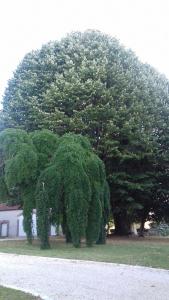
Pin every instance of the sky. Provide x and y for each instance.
(142, 25)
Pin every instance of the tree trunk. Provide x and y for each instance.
(68, 236)
(66, 230)
(122, 225)
(141, 231)
(102, 235)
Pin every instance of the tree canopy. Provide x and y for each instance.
(88, 83)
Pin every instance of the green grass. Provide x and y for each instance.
(11, 294)
(143, 251)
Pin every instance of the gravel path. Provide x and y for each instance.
(61, 279)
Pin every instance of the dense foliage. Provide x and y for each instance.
(62, 178)
(89, 84)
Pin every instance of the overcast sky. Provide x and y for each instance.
(142, 25)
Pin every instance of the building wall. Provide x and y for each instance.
(21, 232)
(11, 216)
(15, 219)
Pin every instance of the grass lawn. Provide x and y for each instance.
(11, 294)
(151, 252)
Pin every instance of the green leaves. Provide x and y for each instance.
(45, 143)
(22, 168)
(91, 85)
(19, 157)
(75, 182)
(64, 176)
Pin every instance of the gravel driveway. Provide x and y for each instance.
(60, 279)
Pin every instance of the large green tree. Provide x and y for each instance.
(65, 177)
(23, 157)
(19, 169)
(75, 183)
(88, 83)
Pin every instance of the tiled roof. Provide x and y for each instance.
(4, 207)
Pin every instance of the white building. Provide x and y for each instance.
(11, 222)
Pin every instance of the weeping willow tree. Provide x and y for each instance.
(23, 156)
(77, 191)
(65, 177)
(20, 169)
